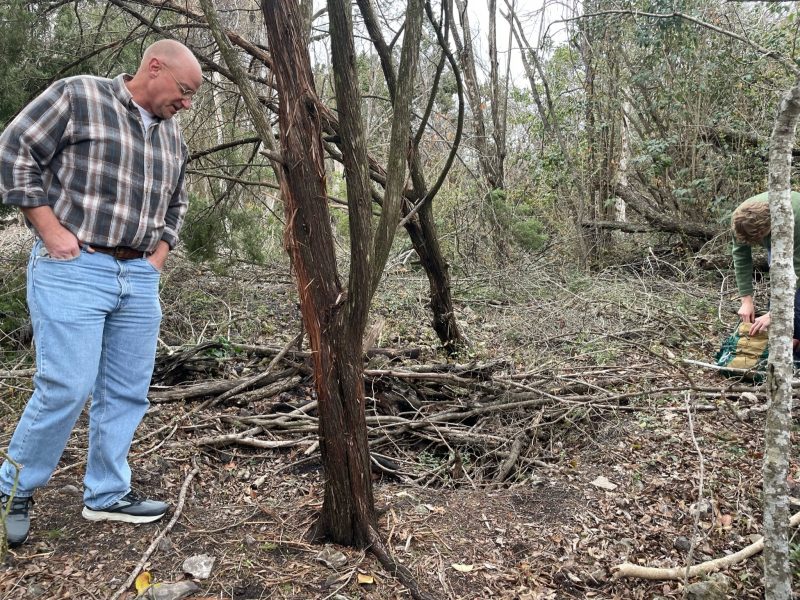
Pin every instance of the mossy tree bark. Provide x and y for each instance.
(777, 441)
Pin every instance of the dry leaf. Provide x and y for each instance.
(604, 484)
(462, 568)
(331, 558)
(142, 582)
(365, 579)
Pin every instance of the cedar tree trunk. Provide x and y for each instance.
(334, 335)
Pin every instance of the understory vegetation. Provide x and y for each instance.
(572, 420)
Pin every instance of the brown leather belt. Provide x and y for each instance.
(119, 252)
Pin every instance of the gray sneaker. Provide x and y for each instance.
(131, 508)
(18, 519)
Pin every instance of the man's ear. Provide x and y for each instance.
(153, 67)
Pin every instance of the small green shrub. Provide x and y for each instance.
(238, 230)
(525, 229)
(15, 329)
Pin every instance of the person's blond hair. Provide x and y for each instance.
(750, 221)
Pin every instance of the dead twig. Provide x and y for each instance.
(254, 380)
(378, 548)
(154, 544)
(19, 373)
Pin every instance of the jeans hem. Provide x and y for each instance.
(109, 505)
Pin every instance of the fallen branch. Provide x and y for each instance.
(714, 367)
(17, 373)
(523, 440)
(248, 440)
(154, 544)
(225, 387)
(258, 378)
(627, 569)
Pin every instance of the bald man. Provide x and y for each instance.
(97, 167)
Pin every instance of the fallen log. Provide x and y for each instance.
(216, 387)
(627, 569)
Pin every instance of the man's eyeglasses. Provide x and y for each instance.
(187, 93)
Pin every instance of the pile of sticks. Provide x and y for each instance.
(428, 423)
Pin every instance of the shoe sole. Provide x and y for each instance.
(17, 543)
(99, 515)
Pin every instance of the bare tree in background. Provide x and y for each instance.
(604, 121)
(491, 148)
(551, 124)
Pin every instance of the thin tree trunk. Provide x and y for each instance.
(466, 57)
(334, 319)
(333, 326)
(421, 228)
(592, 159)
(423, 236)
(624, 158)
(777, 440)
(497, 101)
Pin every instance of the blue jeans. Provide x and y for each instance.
(95, 327)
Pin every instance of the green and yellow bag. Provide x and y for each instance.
(743, 351)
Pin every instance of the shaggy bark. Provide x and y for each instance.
(335, 319)
(309, 242)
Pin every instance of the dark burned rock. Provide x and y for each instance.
(682, 544)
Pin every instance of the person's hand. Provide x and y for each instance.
(159, 255)
(61, 243)
(747, 311)
(760, 324)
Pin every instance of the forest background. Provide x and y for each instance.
(536, 408)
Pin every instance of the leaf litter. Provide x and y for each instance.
(592, 486)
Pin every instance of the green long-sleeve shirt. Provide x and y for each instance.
(743, 257)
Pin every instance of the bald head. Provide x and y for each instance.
(169, 51)
(167, 79)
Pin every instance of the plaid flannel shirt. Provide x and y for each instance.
(81, 148)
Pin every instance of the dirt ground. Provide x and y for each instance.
(670, 467)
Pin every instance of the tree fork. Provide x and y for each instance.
(335, 318)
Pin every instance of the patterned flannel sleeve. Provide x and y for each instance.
(28, 144)
(178, 205)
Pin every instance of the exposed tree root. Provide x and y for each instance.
(627, 569)
(378, 548)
